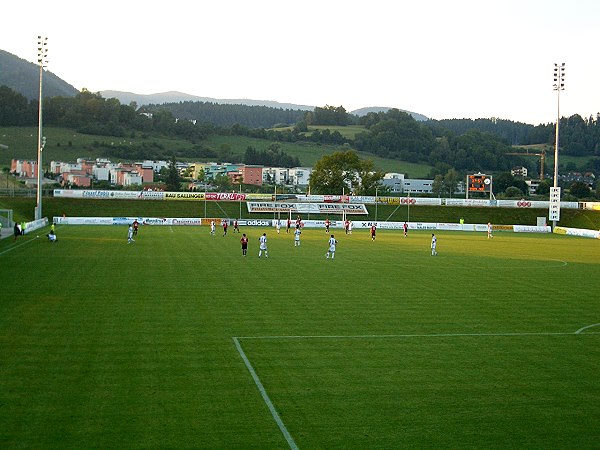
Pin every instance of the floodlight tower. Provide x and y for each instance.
(559, 85)
(43, 62)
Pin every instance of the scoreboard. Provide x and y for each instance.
(479, 183)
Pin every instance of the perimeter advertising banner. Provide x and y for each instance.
(409, 201)
(109, 195)
(185, 196)
(159, 195)
(169, 221)
(577, 232)
(306, 208)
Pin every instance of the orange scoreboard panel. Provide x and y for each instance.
(479, 183)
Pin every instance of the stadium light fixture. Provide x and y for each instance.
(559, 85)
(43, 62)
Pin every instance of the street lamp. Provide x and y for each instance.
(559, 85)
(43, 62)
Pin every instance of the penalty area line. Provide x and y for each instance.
(432, 335)
(286, 434)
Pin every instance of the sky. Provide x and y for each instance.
(441, 58)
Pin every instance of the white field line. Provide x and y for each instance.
(265, 396)
(585, 328)
(433, 335)
(269, 403)
(17, 246)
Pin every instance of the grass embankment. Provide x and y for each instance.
(23, 209)
(64, 144)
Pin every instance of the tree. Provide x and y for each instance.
(580, 189)
(543, 188)
(451, 181)
(173, 180)
(330, 115)
(437, 187)
(344, 172)
(513, 192)
(223, 182)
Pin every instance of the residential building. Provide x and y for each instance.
(252, 174)
(394, 181)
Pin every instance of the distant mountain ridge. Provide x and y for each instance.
(175, 97)
(23, 77)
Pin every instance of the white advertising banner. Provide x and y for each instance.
(531, 229)
(324, 198)
(177, 221)
(306, 208)
(577, 232)
(534, 204)
(467, 202)
(35, 225)
(102, 194)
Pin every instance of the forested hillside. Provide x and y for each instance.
(23, 77)
(459, 145)
(222, 115)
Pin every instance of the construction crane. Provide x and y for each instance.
(542, 156)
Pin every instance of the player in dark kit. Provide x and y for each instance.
(244, 241)
(225, 228)
(136, 225)
(373, 231)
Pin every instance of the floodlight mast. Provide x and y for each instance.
(43, 62)
(559, 85)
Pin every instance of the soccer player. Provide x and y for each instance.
(212, 227)
(433, 245)
(225, 225)
(373, 231)
(405, 226)
(236, 228)
(297, 234)
(289, 224)
(346, 225)
(244, 241)
(52, 236)
(278, 226)
(327, 224)
(350, 227)
(263, 246)
(489, 231)
(136, 224)
(331, 252)
(130, 235)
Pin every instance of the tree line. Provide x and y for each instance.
(461, 144)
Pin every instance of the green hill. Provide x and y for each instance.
(64, 144)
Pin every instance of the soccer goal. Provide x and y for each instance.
(6, 218)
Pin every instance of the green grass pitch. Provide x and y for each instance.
(490, 344)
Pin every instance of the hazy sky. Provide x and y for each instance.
(440, 58)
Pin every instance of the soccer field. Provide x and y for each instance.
(179, 341)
